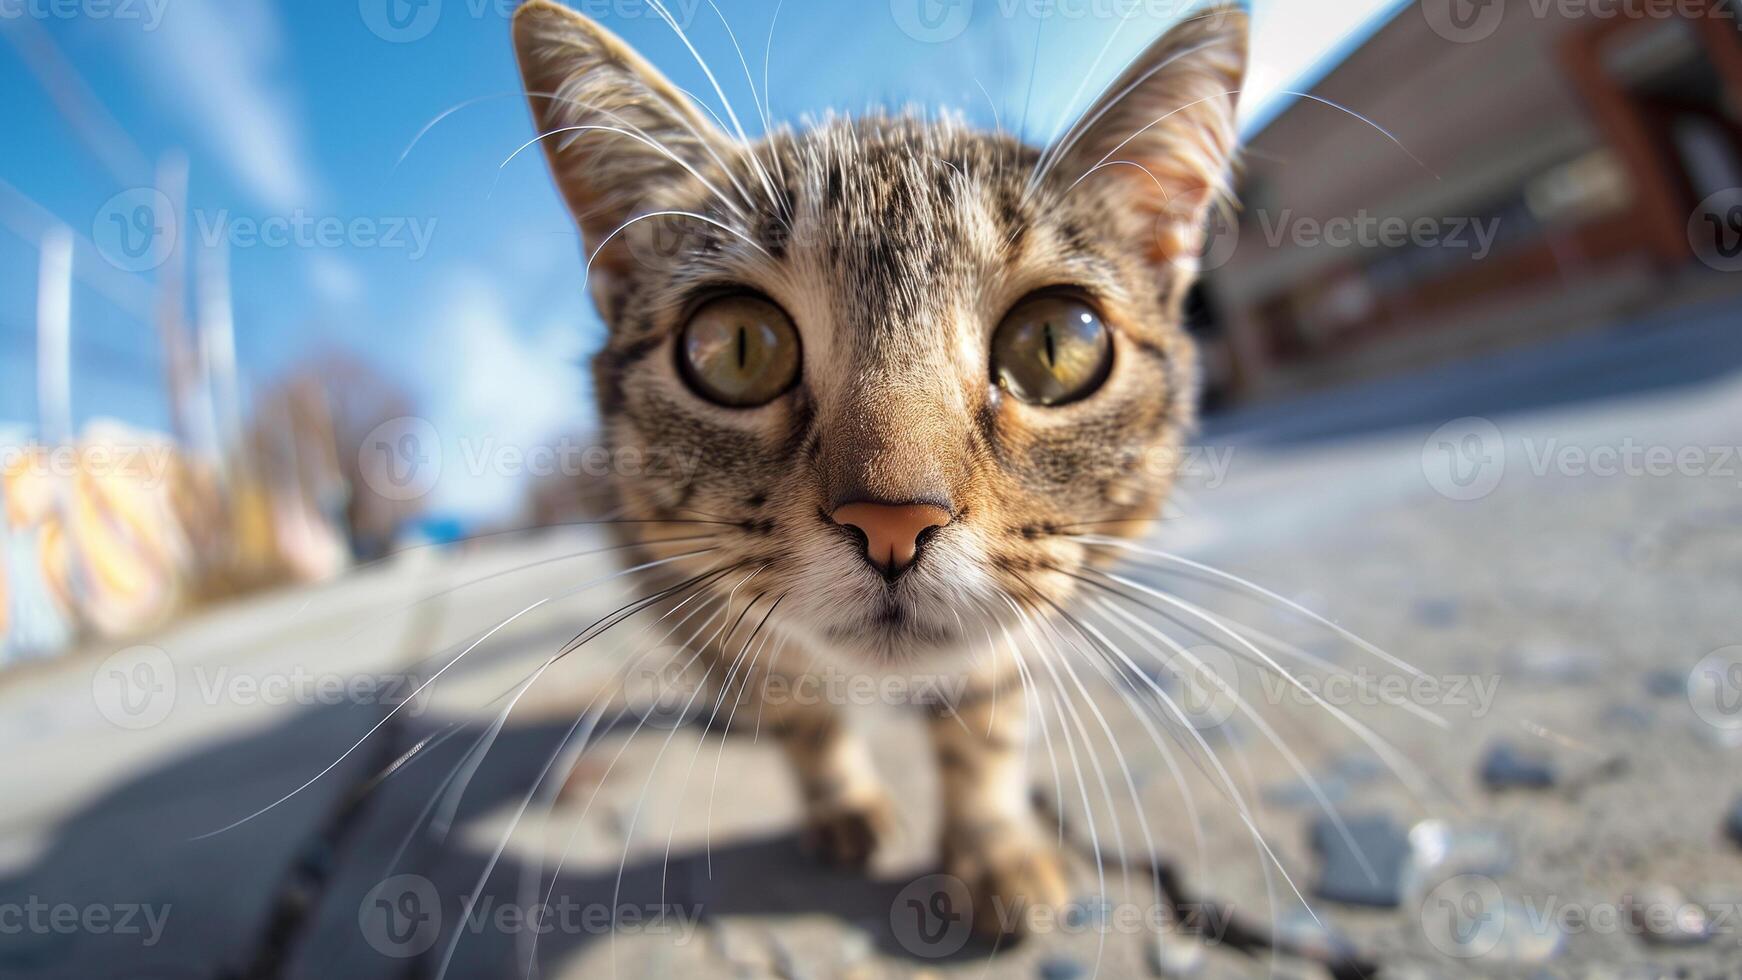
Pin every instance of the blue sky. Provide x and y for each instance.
(300, 111)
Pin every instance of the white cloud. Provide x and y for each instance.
(488, 384)
(219, 61)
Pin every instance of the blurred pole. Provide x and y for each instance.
(179, 364)
(54, 310)
(54, 387)
(215, 318)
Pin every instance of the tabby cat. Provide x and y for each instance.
(916, 362)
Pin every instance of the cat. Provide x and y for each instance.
(917, 362)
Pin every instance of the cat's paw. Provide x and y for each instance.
(1011, 876)
(846, 835)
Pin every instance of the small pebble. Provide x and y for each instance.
(1173, 956)
(1627, 717)
(1506, 766)
(1356, 768)
(1298, 793)
(1086, 912)
(1439, 851)
(1553, 662)
(1379, 841)
(1666, 917)
(1436, 613)
(1061, 968)
(1316, 940)
(1666, 683)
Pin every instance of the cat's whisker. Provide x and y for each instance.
(1119, 756)
(574, 832)
(528, 566)
(779, 201)
(725, 103)
(720, 754)
(634, 820)
(1232, 692)
(630, 133)
(1031, 689)
(1395, 761)
(1086, 123)
(444, 114)
(1238, 801)
(1127, 670)
(532, 873)
(600, 248)
(585, 637)
(1255, 588)
(329, 767)
(451, 804)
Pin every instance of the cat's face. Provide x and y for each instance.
(893, 312)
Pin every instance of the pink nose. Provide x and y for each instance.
(892, 531)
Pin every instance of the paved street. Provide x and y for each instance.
(1551, 584)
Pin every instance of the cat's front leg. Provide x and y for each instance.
(992, 838)
(847, 812)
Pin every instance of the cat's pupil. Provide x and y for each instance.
(743, 346)
(1052, 354)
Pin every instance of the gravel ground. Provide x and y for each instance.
(1545, 795)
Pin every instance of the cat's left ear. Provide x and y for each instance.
(613, 128)
(1165, 131)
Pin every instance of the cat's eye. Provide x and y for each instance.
(1051, 350)
(739, 351)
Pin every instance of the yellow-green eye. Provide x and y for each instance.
(1051, 350)
(740, 351)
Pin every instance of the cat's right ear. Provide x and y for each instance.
(612, 127)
